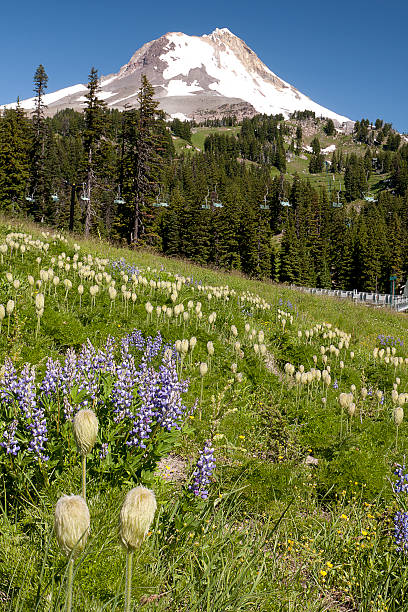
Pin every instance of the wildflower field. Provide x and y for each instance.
(269, 424)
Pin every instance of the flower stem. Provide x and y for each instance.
(128, 585)
(70, 580)
(84, 476)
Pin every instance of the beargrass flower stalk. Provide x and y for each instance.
(85, 425)
(80, 292)
(136, 516)
(203, 372)
(2, 315)
(398, 416)
(112, 295)
(193, 342)
(3, 251)
(210, 350)
(39, 308)
(71, 525)
(68, 287)
(9, 310)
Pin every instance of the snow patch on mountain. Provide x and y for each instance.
(177, 87)
(50, 98)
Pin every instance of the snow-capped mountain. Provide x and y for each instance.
(194, 76)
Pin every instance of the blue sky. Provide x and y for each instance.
(349, 56)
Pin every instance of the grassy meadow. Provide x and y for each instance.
(299, 399)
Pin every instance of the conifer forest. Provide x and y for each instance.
(237, 202)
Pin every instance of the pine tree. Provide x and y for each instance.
(14, 160)
(142, 157)
(299, 136)
(38, 183)
(92, 136)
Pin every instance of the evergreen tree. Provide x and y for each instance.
(141, 162)
(14, 159)
(329, 128)
(92, 136)
(38, 180)
(316, 161)
(299, 136)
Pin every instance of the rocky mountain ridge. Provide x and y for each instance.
(194, 77)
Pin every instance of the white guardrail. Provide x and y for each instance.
(397, 302)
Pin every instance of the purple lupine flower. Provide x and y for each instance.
(401, 531)
(143, 419)
(134, 339)
(51, 381)
(103, 453)
(8, 388)
(153, 346)
(203, 472)
(401, 485)
(69, 371)
(123, 389)
(25, 393)
(160, 396)
(335, 384)
(10, 443)
(106, 356)
(168, 403)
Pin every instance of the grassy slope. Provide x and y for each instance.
(297, 164)
(276, 534)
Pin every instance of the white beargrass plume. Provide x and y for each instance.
(71, 524)
(136, 517)
(93, 290)
(55, 282)
(149, 310)
(85, 425)
(351, 410)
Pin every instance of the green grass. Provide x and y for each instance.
(200, 134)
(276, 533)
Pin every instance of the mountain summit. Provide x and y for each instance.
(196, 76)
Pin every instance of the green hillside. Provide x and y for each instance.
(300, 506)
